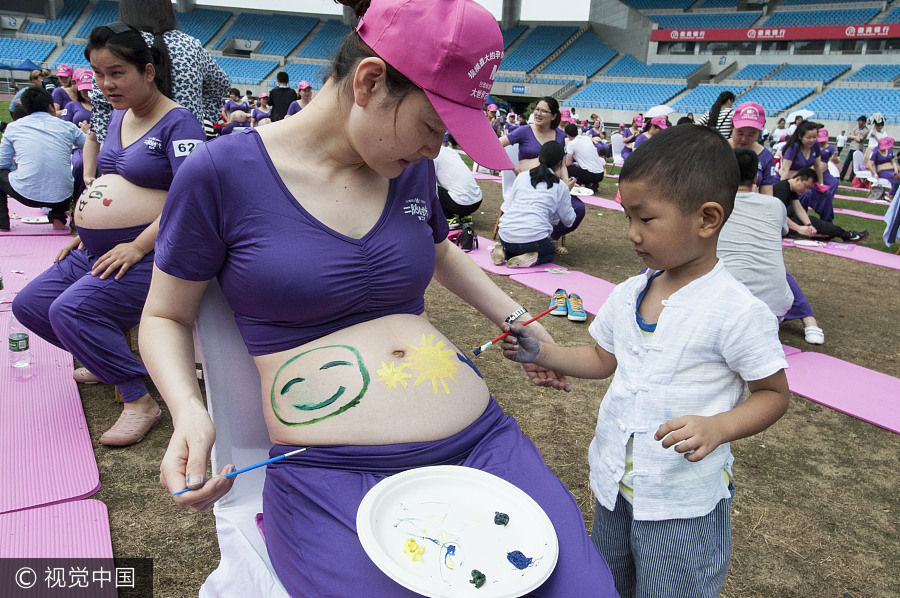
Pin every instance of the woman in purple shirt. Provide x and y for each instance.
(802, 151)
(324, 256)
(883, 162)
(530, 138)
(261, 112)
(304, 90)
(92, 296)
(65, 92)
(79, 113)
(748, 120)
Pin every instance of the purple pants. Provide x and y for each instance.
(821, 203)
(310, 502)
(560, 229)
(89, 317)
(801, 307)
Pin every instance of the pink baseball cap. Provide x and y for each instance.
(263, 95)
(459, 52)
(304, 85)
(85, 80)
(749, 114)
(660, 121)
(638, 120)
(822, 135)
(492, 107)
(566, 116)
(886, 143)
(63, 70)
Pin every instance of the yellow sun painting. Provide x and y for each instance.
(433, 362)
(392, 375)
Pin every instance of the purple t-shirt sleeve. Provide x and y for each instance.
(768, 174)
(294, 108)
(183, 136)
(60, 96)
(517, 135)
(191, 217)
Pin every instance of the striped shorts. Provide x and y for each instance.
(672, 558)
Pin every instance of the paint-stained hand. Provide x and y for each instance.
(184, 464)
(695, 435)
(539, 375)
(522, 345)
(75, 242)
(121, 257)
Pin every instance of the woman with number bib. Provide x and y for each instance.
(94, 293)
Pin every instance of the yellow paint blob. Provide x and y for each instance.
(412, 549)
(433, 362)
(393, 375)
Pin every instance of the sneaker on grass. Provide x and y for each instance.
(454, 222)
(575, 307)
(559, 300)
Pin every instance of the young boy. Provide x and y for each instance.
(686, 341)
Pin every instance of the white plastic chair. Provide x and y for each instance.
(233, 401)
(617, 146)
(859, 167)
(508, 177)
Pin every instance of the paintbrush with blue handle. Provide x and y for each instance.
(249, 467)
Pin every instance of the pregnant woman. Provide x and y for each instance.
(325, 258)
(94, 293)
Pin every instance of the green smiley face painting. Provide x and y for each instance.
(318, 384)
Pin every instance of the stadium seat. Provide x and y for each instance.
(61, 24)
(314, 73)
(810, 72)
(104, 12)
(820, 18)
(73, 55)
(202, 23)
(584, 57)
(732, 20)
(629, 66)
(326, 41)
(754, 72)
(280, 35)
(701, 98)
(15, 51)
(775, 99)
(534, 49)
(608, 95)
(873, 73)
(244, 71)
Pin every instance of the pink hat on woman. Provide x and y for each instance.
(492, 107)
(638, 120)
(263, 95)
(749, 114)
(660, 121)
(63, 70)
(459, 52)
(85, 80)
(886, 143)
(822, 135)
(566, 116)
(304, 85)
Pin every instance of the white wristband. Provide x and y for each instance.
(519, 312)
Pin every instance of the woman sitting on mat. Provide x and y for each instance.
(883, 163)
(314, 256)
(802, 151)
(749, 119)
(92, 296)
(630, 134)
(539, 211)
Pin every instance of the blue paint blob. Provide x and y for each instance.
(469, 363)
(518, 560)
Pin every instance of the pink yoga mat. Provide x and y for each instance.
(858, 214)
(881, 202)
(75, 529)
(46, 455)
(18, 228)
(482, 257)
(592, 290)
(853, 252)
(852, 389)
(482, 176)
(22, 259)
(788, 350)
(602, 202)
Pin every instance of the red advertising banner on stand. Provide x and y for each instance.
(776, 33)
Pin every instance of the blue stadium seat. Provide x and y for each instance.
(14, 51)
(585, 57)
(885, 73)
(73, 55)
(202, 23)
(511, 35)
(820, 18)
(893, 16)
(805, 2)
(836, 102)
(535, 48)
(104, 12)
(62, 23)
(280, 34)
(550, 81)
(510, 80)
(659, 4)
(733, 20)
(701, 98)
(608, 95)
(754, 72)
(718, 4)
(810, 72)
(775, 99)
(314, 73)
(629, 66)
(244, 71)
(326, 41)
